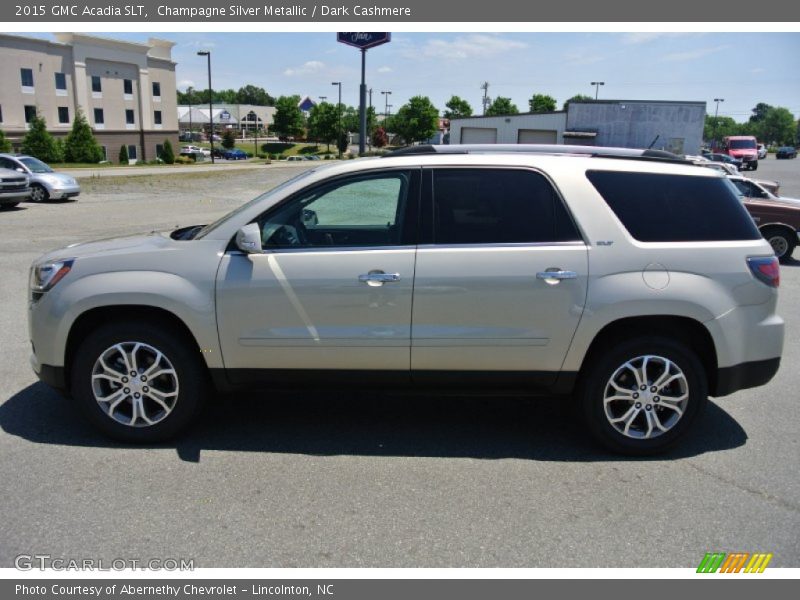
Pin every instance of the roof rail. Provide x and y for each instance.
(594, 151)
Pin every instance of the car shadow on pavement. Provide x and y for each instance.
(364, 424)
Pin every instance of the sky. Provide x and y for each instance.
(742, 68)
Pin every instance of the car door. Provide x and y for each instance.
(332, 291)
(501, 278)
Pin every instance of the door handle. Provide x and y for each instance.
(378, 278)
(554, 275)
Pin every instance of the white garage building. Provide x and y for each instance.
(528, 128)
(676, 126)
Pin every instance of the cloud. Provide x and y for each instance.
(384, 69)
(465, 47)
(649, 36)
(758, 70)
(186, 83)
(312, 66)
(693, 54)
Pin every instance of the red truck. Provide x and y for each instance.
(743, 147)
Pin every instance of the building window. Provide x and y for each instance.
(99, 118)
(129, 117)
(131, 152)
(105, 152)
(1, 114)
(159, 150)
(127, 87)
(63, 114)
(156, 89)
(26, 75)
(97, 86)
(30, 113)
(61, 83)
(157, 117)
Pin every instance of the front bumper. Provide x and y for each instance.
(55, 377)
(64, 193)
(14, 197)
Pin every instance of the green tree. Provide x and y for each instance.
(288, 119)
(502, 106)
(542, 103)
(39, 143)
(123, 155)
(80, 145)
(342, 143)
(417, 120)
(577, 98)
(457, 108)
(760, 112)
(167, 153)
(778, 126)
(251, 94)
(719, 127)
(323, 123)
(5, 143)
(228, 139)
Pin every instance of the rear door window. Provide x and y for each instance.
(674, 208)
(495, 206)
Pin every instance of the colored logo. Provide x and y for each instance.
(736, 562)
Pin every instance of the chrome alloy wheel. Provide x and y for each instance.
(780, 245)
(135, 384)
(646, 397)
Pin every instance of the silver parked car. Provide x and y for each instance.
(45, 183)
(519, 269)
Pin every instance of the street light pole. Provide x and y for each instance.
(716, 123)
(597, 85)
(386, 104)
(362, 105)
(339, 112)
(207, 54)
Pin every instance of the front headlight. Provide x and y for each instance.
(45, 275)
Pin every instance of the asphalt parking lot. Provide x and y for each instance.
(350, 479)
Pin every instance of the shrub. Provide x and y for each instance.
(168, 154)
(228, 139)
(5, 144)
(80, 145)
(39, 143)
(183, 160)
(123, 155)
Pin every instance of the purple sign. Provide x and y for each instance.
(363, 40)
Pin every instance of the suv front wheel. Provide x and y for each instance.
(138, 382)
(642, 396)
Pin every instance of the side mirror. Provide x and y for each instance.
(248, 239)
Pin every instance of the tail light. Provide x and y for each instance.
(765, 269)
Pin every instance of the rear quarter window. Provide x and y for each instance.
(674, 208)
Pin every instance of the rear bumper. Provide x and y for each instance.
(745, 375)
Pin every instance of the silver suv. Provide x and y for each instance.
(630, 280)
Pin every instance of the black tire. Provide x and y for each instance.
(595, 380)
(39, 193)
(192, 381)
(754, 166)
(782, 241)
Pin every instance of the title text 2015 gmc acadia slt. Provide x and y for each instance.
(631, 280)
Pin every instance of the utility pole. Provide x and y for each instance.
(369, 137)
(207, 54)
(386, 104)
(339, 109)
(485, 88)
(716, 123)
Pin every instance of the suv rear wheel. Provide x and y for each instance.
(137, 382)
(643, 395)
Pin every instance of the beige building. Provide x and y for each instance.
(126, 90)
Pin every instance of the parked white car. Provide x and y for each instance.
(632, 280)
(195, 150)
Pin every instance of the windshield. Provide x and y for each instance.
(742, 144)
(224, 219)
(35, 165)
